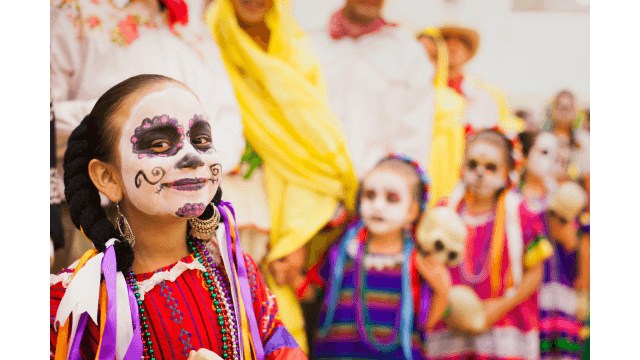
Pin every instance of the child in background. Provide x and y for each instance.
(379, 295)
(493, 263)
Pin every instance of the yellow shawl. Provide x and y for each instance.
(447, 146)
(288, 122)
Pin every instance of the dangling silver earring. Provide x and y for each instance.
(205, 229)
(127, 234)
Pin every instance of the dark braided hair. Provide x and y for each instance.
(95, 138)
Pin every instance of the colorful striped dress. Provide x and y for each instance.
(381, 303)
(558, 300)
(516, 335)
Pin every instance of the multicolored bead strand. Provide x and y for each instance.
(213, 280)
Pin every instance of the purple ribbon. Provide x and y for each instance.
(109, 337)
(425, 304)
(74, 351)
(243, 283)
(134, 352)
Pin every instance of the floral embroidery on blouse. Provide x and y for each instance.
(126, 31)
(93, 21)
(123, 26)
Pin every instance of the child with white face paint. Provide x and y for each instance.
(558, 295)
(493, 263)
(148, 147)
(540, 150)
(375, 260)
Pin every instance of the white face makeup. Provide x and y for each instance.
(542, 156)
(485, 171)
(169, 165)
(386, 199)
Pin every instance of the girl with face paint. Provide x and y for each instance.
(168, 289)
(288, 122)
(559, 323)
(493, 264)
(372, 277)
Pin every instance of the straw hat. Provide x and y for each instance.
(469, 36)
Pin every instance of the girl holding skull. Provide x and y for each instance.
(501, 235)
(372, 280)
(169, 285)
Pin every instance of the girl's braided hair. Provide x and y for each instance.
(95, 138)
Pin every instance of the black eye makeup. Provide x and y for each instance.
(160, 136)
(491, 167)
(200, 135)
(369, 194)
(472, 164)
(393, 197)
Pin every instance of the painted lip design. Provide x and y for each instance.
(190, 210)
(191, 184)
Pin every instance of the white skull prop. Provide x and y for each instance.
(569, 200)
(442, 232)
(466, 312)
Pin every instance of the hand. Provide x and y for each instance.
(435, 273)
(494, 311)
(203, 354)
(287, 269)
(279, 269)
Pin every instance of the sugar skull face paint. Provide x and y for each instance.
(169, 165)
(542, 156)
(386, 199)
(485, 170)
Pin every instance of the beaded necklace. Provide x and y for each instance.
(213, 281)
(468, 267)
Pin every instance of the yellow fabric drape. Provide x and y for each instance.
(447, 146)
(511, 124)
(288, 122)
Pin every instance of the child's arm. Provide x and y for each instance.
(438, 277)
(496, 308)
(289, 270)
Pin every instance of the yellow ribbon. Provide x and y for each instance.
(247, 341)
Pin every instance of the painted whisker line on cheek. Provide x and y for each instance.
(190, 210)
(157, 172)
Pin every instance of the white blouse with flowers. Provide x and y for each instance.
(96, 44)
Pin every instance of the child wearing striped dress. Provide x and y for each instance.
(380, 296)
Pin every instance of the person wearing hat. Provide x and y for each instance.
(379, 82)
(486, 105)
(447, 146)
